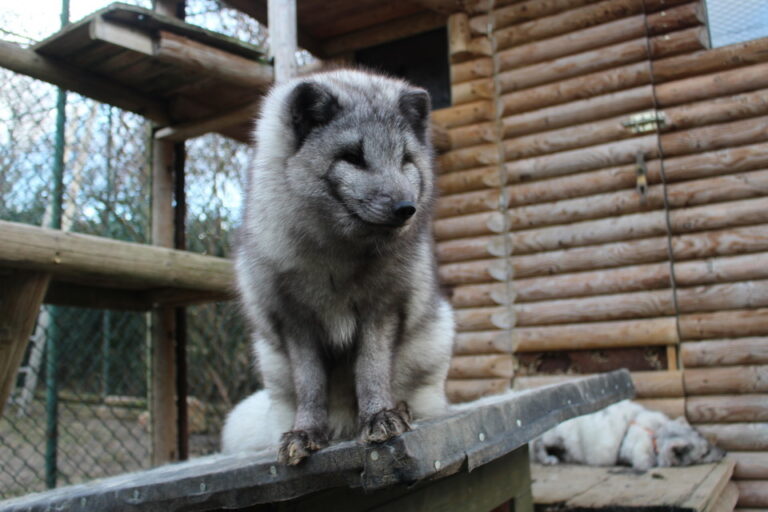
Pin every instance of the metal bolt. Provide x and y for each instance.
(202, 487)
(273, 470)
(663, 13)
(518, 423)
(481, 436)
(136, 494)
(83, 501)
(374, 455)
(438, 465)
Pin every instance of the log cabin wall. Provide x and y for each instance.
(575, 238)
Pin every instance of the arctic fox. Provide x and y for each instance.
(335, 267)
(625, 433)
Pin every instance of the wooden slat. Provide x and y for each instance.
(481, 366)
(20, 299)
(466, 390)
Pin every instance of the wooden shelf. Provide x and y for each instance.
(92, 271)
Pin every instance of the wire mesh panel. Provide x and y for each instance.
(736, 21)
(100, 374)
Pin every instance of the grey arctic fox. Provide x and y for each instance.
(335, 267)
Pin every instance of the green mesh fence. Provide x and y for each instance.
(103, 355)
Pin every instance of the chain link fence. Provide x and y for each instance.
(101, 377)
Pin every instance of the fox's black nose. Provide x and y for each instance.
(404, 210)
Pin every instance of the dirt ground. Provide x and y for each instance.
(94, 441)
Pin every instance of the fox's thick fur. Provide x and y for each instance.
(625, 433)
(335, 267)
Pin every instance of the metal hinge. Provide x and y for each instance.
(641, 175)
(644, 122)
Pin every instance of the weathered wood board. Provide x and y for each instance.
(586, 487)
(464, 441)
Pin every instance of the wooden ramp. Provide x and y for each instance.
(701, 488)
(473, 460)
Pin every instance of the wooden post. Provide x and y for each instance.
(282, 35)
(163, 365)
(20, 299)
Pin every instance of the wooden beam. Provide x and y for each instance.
(200, 58)
(110, 263)
(384, 32)
(20, 298)
(445, 7)
(30, 63)
(282, 37)
(163, 413)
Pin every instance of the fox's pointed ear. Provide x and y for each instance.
(415, 105)
(310, 105)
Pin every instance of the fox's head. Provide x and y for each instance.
(354, 148)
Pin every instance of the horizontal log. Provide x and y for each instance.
(693, 246)
(473, 179)
(708, 138)
(726, 408)
(704, 87)
(485, 342)
(520, 12)
(471, 69)
(640, 304)
(582, 159)
(752, 493)
(737, 351)
(466, 92)
(728, 380)
(110, 263)
(628, 279)
(604, 57)
(461, 115)
(737, 436)
(749, 322)
(672, 407)
(459, 37)
(716, 59)
(481, 366)
(689, 117)
(573, 20)
(626, 333)
(660, 384)
(475, 295)
(584, 86)
(750, 465)
(466, 390)
(476, 319)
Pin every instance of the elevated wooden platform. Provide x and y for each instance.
(475, 460)
(701, 488)
(92, 271)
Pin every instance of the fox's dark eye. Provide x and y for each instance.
(353, 156)
(407, 159)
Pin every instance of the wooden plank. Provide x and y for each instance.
(123, 36)
(584, 487)
(672, 407)
(20, 300)
(110, 263)
(465, 441)
(199, 58)
(752, 493)
(282, 37)
(727, 499)
(748, 322)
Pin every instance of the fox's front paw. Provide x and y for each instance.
(296, 445)
(386, 424)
